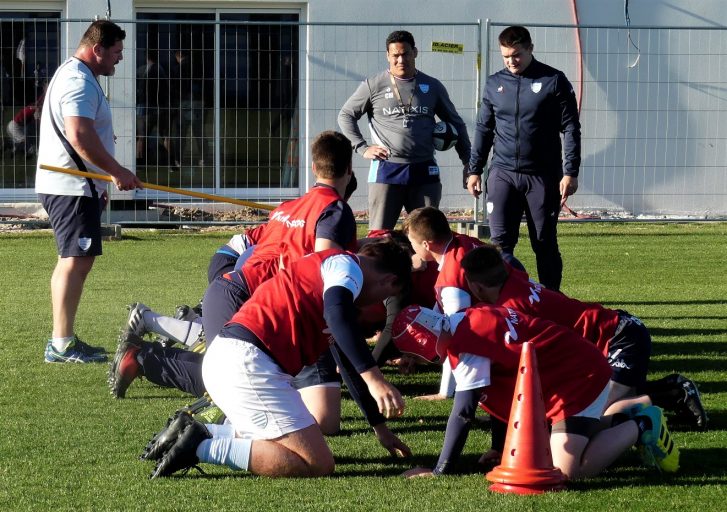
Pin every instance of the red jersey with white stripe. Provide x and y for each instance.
(451, 273)
(572, 371)
(289, 235)
(286, 312)
(592, 321)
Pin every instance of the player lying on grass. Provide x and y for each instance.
(320, 219)
(620, 336)
(287, 324)
(483, 344)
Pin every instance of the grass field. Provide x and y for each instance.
(67, 444)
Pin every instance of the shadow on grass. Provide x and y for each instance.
(689, 347)
(687, 366)
(666, 302)
(686, 332)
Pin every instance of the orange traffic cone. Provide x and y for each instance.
(527, 464)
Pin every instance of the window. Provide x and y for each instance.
(256, 88)
(29, 55)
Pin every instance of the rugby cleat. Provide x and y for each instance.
(689, 408)
(200, 344)
(125, 368)
(164, 439)
(135, 323)
(203, 409)
(185, 312)
(76, 352)
(656, 446)
(183, 453)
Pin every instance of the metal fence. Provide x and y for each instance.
(237, 119)
(653, 104)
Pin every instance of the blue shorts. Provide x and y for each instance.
(321, 372)
(629, 351)
(76, 223)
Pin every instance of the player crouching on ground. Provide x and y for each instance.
(621, 337)
(483, 344)
(288, 323)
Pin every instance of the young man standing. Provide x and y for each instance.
(76, 131)
(526, 107)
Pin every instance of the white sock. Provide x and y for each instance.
(231, 452)
(61, 344)
(221, 430)
(447, 384)
(180, 331)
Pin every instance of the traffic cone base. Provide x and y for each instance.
(527, 464)
(525, 481)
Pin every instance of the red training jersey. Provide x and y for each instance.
(289, 235)
(572, 371)
(451, 273)
(592, 321)
(286, 312)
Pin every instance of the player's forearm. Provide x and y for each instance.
(358, 389)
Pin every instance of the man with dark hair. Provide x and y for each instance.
(525, 109)
(288, 323)
(321, 219)
(401, 104)
(76, 131)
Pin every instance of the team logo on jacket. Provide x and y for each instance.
(84, 243)
(536, 86)
(500, 89)
(424, 88)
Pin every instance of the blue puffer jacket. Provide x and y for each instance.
(523, 116)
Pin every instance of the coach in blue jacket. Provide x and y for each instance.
(525, 109)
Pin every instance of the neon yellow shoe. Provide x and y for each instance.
(656, 445)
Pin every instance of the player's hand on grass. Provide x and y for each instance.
(395, 446)
(417, 472)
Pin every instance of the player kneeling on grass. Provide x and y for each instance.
(621, 337)
(483, 345)
(288, 323)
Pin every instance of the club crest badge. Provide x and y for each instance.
(424, 88)
(536, 86)
(500, 89)
(84, 243)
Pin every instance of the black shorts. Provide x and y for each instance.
(629, 351)
(322, 371)
(76, 223)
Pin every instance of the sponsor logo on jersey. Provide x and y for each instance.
(433, 170)
(511, 335)
(84, 243)
(397, 111)
(536, 86)
(284, 218)
(535, 289)
(424, 88)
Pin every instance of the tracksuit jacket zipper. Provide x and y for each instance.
(517, 125)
